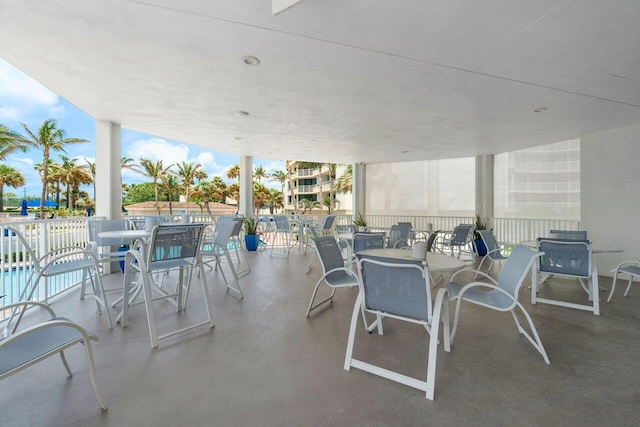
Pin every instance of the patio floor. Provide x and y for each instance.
(265, 364)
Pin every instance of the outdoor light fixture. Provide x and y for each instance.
(540, 110)
(242, 113)
(251, 60)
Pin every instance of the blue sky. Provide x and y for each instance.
(23, 100)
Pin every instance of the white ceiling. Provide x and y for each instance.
(339, 80)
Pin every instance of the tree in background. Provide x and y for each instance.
(48, 138)
(260, 173)
(344, 183)
(171, 185)
(11, 178)
(281, 177)
(188, 172)
(155, 171)
(10, 142)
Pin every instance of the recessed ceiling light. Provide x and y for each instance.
(405, 152)
(238, 138)
(251, 60)
(242, 113)
(540, 110)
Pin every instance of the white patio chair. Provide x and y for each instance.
(494, 250)
(399, 235)
(502, 294)
(460, 239)
(60, 261)
(570, 258)
(214, 250)
(631, 269)
(283, 229)
(334, 273)
(24, 347)
(364, 241)
(101, 247)
(325, 229)
(176, 248)
(400, 291)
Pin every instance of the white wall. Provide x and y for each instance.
(610, 202)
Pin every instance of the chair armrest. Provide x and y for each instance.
(345, 269)
(477, 272)
(49, 324)
(13, 308)
(625, 264)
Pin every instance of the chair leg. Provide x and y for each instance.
(66, 365)
(628, 286)
(535, 341)
(352, 333)
(100, 295)
(613, 285)
(92, 371)
(313, 296)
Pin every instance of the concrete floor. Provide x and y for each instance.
(265, 364)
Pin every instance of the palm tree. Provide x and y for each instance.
(233, 172)
(48, 138)
(275, 200)
(280, 177)
(308, 205)
(205, 190)
(260, 173)
(333, 167)
(10, 142)
(11, 178)
(187, 173)
(153, 170)
(220, 189)
(344, 183)
(170, 184)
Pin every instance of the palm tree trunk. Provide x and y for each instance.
(206, 201)
(45, 180)
(155, 190)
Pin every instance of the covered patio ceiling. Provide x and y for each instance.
(338, 80)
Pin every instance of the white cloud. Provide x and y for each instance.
(209, 164)
(22, 97)
(157, 149)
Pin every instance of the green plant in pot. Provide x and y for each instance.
(480, 224)
(250, 229)
(360, 223)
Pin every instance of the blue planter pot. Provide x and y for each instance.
(251, 242)
(481, 248)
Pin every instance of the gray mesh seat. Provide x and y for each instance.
(334, 272)
(494, 251)
(400, 290)
(325, 229)
(502, 294)
(399, 235)
(629, 268)
(571, 258)
(213, 250)
(174, 247)
(24, 347)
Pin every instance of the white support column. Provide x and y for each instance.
(359, 189)
(245, 206)
(484, 186)
(108, 166)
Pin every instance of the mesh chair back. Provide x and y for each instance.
(400, 288)
(327, 223)
(345, 229)
(567, 257)
(237, 226)
(489, 240)
(97, 226)
(175, 242)
(431, 240)
(222, 219)
(330, 256)
(568, 234)
(515, 269)
(282, 222)
(363, 241)
(399, 233)
(461, 234)
(137, 223)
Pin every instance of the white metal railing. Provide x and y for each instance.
(306, 172)
(306, 189)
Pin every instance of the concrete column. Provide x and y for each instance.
(484, 186)
(359, 189)
(108, 166)
(245, 206)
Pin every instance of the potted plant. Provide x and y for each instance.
(360, 223)
(478, 244)
(250, 228)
